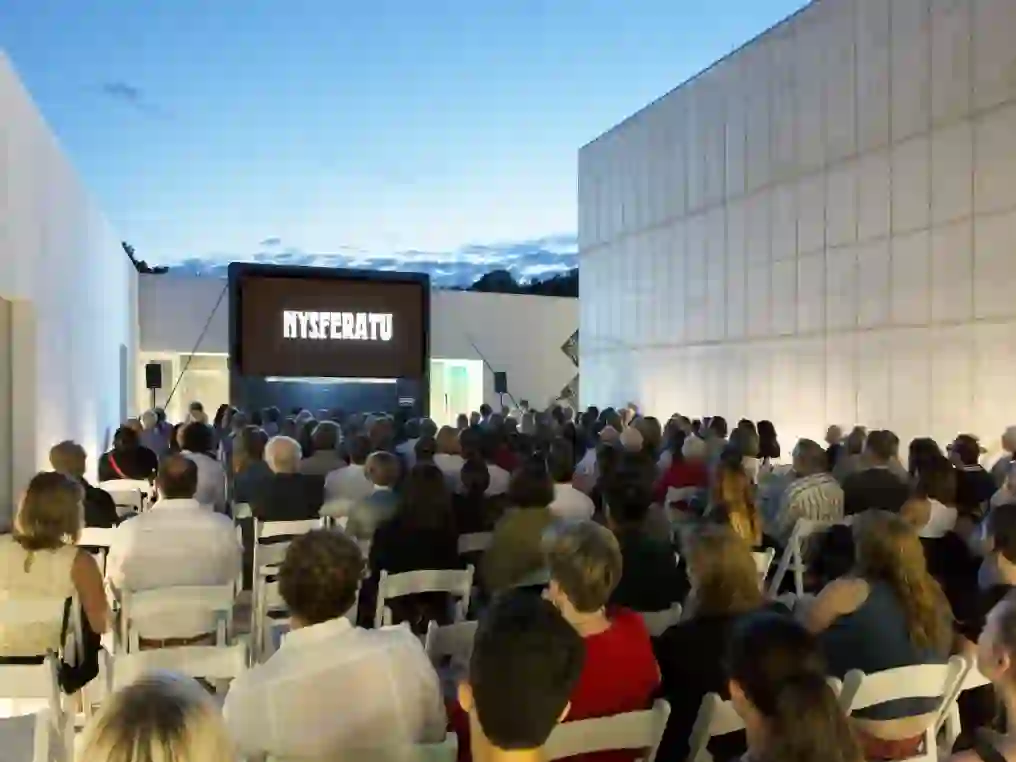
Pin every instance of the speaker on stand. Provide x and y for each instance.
(500, 386)
(153, 379)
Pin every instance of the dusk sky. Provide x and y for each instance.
(439, 136)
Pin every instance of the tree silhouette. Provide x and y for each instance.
(503, 282)
(141, 265)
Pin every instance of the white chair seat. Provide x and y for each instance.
(455, 582)
(631, 730)
(477, 542)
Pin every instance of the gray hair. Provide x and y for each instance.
(695, 448)
(283, 454)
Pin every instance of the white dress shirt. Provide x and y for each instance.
(173, 544)
(334, 691)
(451, 467)
(570, 503)
(348, 484)
(499, 479)
(211, 491)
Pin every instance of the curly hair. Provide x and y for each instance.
(888, 549)
(320, 575)
(722, 571)
(732, 492)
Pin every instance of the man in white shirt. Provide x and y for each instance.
(177, 542)
(350, 484)
(198, 443)
(569, 503)
(332, 690)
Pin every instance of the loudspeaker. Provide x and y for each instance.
(500, 382)
(153, 375)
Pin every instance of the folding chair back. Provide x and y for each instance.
(455, 582)
(167, 603)
(763, 561)
(128, 494)
(631, 730)
(205, 662)
(657, 622)
(477, 542)
(793, 555)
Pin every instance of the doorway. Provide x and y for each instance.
(456, 386)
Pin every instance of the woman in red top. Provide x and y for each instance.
(687, 472)
(620, 673)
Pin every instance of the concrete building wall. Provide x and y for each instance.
(818, 229)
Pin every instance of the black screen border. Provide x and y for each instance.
(237, 271)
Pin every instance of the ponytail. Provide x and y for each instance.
(808, 723)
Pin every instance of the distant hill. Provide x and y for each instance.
(503, 282)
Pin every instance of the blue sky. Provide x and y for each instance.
(438, 135)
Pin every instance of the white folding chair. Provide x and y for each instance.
(128, 494)
(763, 560)
(241, 511)
(269, 603)
(206, 662)
(445, 751)
(167, 604)
(33, 689)
(477, 542)
(715, 717)
(657, 622)
(949, 721)
(267, 559)
(927, 681)
(793, 555)
(455, 582)
(631, 730)
(97, 537)
(453, 641)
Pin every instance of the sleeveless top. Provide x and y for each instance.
(49, 575)
(874, 638)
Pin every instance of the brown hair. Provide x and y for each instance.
(723, 570)
(584, 559)
(888, 549)
(320, 575)
(448, 441)
(50, 515)
(733, 493)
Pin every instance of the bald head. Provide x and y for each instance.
(68, 458)
(177, 478)
(283, 454)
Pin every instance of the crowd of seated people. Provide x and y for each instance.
(594, 519)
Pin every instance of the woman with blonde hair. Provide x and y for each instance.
(733, 497)
(40, 560)
(888, 612)
(724, 587)
(161, 717)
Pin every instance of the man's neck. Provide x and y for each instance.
(490, 754)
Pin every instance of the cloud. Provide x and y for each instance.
(271, 242)
(132, 96)
(534, 258)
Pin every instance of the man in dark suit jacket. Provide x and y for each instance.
(288, 495)
(100, 509)
(250, 472)
(876, 486)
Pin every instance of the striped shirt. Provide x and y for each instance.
(818, 497)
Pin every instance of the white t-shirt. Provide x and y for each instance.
(570, 503)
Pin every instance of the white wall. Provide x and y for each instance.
(521, 335)
(70, 283)
(818, 229)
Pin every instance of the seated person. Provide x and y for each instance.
(889, 612)
(345, 486)
(128, 459)
(724, 587)
(814, 494)
(515, 555)
(379, 506)
(421, 535)
(250, 472)
(686, 478)
(332, 690)
(100, 509)
(325, 438)
(779, 688)
(197, 442)
(288, 495)
(449, 455)
(524, 655)
(876, 485)
(474, 510)
(569, 503)
(733, 501)
(176, 542)
(619, 673)
(650, 577)
(425, 450)
(40, 560)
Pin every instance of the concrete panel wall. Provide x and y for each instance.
(818, 229)
(70, 287)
